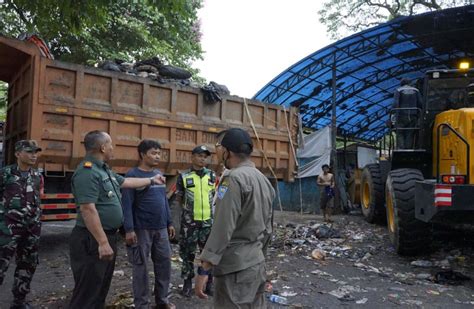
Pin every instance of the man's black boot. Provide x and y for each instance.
(187, 287)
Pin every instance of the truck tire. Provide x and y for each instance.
(372, 194)
(174, 72)
(408, 235)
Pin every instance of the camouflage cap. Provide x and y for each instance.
(28, 145)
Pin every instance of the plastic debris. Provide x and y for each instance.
(118, 273)
(325, 231)
(396, 289)
(288, 294)
(343, 293)
(422, 263)
(278, 299)
(414, 302)
(362, 301)
(321, 273)
(424, 276)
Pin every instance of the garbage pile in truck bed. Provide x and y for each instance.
(154, 69)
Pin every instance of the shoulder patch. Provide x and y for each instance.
(87, 164)
(221, 191)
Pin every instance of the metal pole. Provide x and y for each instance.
(334, 130)
(344, 158)
(333, 118)
(384, 143)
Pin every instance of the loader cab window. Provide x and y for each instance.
(470, 94)
(447, 93)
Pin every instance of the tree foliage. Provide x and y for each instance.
(344, 17)
(3, 100)
(88, 31)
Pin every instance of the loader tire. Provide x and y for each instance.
(372, 194)
(408, 235)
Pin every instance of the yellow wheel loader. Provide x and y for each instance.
(429, 184)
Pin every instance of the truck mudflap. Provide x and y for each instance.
(435, 202)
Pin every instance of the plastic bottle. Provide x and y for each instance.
(278, 299)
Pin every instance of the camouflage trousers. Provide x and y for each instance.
(19, 238)
(191, 236)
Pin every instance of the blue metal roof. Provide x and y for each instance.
(369, 67)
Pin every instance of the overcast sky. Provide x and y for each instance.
(249, 42)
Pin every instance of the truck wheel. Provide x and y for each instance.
(409, 235)
(372, 194)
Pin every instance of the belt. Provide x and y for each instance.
(108, 232)
(111, 232)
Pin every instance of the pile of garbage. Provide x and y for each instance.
(152, 68)
(349, 244)
(320, 241)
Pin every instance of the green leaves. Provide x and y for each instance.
(344, 17)
(86, 32)
(3, 100)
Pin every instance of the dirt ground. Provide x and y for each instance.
(355, 266)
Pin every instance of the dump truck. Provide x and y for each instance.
(57, 103)
(429, 186)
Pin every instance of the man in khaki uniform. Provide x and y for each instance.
(242, 225)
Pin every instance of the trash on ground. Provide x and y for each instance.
(288, 294)
(450, 277)
(318, 254)
(278, 299)
(422, 263)
(362, 301)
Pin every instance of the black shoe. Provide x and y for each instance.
(187, 287)
(20, 305)
(209, 289)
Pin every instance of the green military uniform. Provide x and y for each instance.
(20, 225)
(242, 225)
(94, 182)
(196, 190)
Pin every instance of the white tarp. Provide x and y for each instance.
(317, 145)
(366, 156)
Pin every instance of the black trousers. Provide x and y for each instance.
(92, 277)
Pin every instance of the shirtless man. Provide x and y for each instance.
(325, 182)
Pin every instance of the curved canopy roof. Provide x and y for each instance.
(369, 66)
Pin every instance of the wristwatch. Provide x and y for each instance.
(152, 181)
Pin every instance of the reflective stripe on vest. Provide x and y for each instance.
(200, 190)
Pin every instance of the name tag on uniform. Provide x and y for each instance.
(221, 191)
(189, 183)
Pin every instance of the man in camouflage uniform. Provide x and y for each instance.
(195, 190)
(20, 225)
